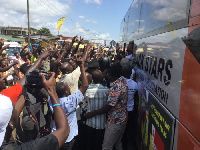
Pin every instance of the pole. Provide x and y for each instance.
(28, 25)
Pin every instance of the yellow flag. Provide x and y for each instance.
(60, 23)
(169, 23)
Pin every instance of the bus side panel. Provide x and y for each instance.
(190, 90)
(185, 140)
(156, 123)
(159, 66)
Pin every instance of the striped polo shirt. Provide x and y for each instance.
(96, 97)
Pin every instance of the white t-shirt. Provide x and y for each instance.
(130, 57)
(133, 72)
(132, 88)
(69, 105)
(72, 79)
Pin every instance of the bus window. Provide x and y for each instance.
(134, 17)
(130, 23)
(161, 15)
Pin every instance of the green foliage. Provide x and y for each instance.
(33, 29)
(44, 31)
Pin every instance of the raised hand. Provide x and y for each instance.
(1, 43)
(117, 47)
(45, 54)
(49, 85)
(79, 60)
(7, 46)
(67, 43)
(86, 51)
(15, 62)
(81, 39)
(74, 39)
(88, 46)
(26, 46)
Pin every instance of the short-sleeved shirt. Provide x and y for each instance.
(132, 88)
(117, 98)
(96, 97)
(49, 142)
(13, 92)
(69, 105)
(7, 97)
(72, 79)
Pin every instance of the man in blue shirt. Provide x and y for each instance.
(69, 104)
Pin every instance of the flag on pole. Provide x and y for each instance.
(60, 23)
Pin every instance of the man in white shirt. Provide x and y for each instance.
(132, 89)
(70, 76)
(69, 104)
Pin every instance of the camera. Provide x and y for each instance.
(34, 78)
(1, 45)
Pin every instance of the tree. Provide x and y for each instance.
(45, 31)
(33, 29)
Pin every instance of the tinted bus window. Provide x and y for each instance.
(134, 18)
(158, 15)
(130, 23)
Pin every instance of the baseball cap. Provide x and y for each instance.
(5, 115)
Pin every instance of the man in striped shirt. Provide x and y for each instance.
(96, 97)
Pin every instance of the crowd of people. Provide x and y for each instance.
(68, 98)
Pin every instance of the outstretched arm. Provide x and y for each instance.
(36, 65)
(77, 46)
(20, 102)
(1, 46)
(84, 80)
(4, 48)
(62, 126)
(23, 49)
(8, 67)
(100, 111)
(66, 50)
(86, 52)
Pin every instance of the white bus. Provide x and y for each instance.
(167, 34)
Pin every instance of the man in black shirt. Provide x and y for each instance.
(52, 141)
(57, 138)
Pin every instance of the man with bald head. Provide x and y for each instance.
(69, 103)
(70, 76)
(66, 68)
(96, 97)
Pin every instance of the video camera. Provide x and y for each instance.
(1, 44)
(34, 78)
